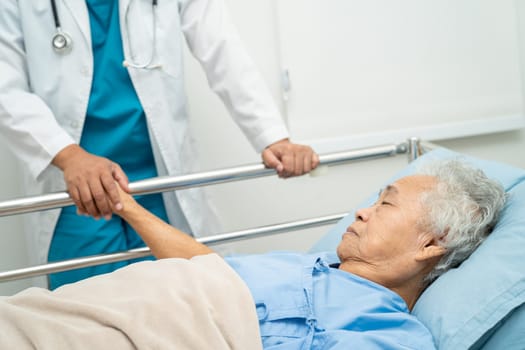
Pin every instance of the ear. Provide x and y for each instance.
(430, 250)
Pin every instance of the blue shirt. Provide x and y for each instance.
(115, 125)
(303, 303)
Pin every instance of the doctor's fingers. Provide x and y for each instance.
(301, 160)
(290, 168)
(75, 195)
(94, 199)
(81, 194)
(89, 196)
(271, 160)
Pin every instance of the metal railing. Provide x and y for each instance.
(170, 183)
(77, 263)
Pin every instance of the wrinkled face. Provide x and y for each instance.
(386, 234)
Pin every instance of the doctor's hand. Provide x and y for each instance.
(92, 181)
(290, 159)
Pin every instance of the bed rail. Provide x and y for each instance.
(171, 183)
(77, 263)
(412, 147)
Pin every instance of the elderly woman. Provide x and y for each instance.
(420, 227)
(360, 298)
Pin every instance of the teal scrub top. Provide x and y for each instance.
(115, 125)
(303, 303)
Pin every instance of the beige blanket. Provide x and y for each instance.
(166, 304)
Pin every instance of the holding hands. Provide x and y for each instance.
(92, 181)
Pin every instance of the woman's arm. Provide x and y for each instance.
(164, 240)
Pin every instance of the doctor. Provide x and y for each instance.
(92, 92)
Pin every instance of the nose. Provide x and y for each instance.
(362, 214)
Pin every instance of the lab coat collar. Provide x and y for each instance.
(80, 14)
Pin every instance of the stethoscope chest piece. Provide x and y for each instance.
(61, 42)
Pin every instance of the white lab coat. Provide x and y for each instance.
(44, 95)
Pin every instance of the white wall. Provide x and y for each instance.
(267, 200)
(381, 69)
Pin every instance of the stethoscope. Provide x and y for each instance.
(62, 42)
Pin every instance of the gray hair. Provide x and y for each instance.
(462, 210)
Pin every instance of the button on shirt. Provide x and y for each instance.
(303, 303)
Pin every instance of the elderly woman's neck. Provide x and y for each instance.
(409, 293)
(409, 288)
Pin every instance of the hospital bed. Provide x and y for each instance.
(479, 305)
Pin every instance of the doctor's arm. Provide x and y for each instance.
(30, 127)
(164, 240)
(234, 77)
